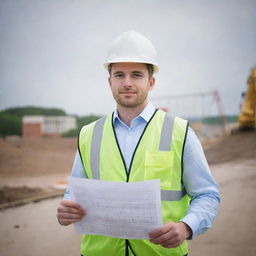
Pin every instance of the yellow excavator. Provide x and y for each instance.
(247, 115)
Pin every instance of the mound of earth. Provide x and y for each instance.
(10, 194)
(237, 146)
(36, 156)
(25, 160)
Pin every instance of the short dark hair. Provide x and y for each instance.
(149, 67)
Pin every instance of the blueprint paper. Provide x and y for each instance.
(117, 209)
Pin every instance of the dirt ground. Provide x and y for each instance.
(35, 166)
(36, 157)
(236, 146)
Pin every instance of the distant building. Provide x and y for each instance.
(38, 126)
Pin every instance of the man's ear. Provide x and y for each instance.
(151, 83)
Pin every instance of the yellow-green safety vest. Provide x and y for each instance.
(158, 155)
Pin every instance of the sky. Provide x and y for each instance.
(52, 51)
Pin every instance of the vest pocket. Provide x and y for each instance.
(158, 165)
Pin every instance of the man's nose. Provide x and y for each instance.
(127, 82)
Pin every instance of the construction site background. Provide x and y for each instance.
(33, 172)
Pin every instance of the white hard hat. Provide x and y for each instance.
(132, 46)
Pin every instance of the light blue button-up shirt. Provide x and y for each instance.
(197, 177)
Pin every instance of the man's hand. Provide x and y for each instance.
(170, 235)
(69, 212)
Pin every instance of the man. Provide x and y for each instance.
(138, 142)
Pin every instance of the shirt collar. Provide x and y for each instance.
(146, 113)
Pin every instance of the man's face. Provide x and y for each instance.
(130, 84)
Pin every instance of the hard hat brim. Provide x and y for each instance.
(155, 66)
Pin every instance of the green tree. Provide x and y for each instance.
(84, 120)
(9, 124)
(30, 110)
(11, 118)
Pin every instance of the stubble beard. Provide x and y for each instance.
(130, 104)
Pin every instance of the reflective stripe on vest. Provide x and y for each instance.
(164, 145)
(95, 147)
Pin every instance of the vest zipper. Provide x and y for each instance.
(126, 248)
(128, 171)
(119, 149)
(127, 244)
(130, 167)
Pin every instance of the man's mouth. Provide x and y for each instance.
(127, 92)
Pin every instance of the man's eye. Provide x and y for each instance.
(137, 75)
(118, 75)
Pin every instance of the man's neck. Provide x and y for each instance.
(128, 114)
